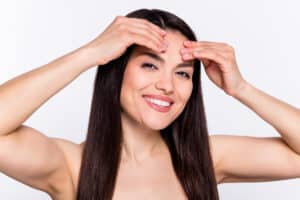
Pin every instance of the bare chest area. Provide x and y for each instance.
(153, 180)
(150, 180)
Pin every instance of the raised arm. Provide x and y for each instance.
(21, 96)
(283, 117)
(246, 158)
(25, 153)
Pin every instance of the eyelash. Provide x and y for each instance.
(149, 65)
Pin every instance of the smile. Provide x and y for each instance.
(158, 105)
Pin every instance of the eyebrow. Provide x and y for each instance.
(160, 59)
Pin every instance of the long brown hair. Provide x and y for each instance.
(186, 137)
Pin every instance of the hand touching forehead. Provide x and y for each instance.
(171, 56)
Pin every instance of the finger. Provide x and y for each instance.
(212, 56)
(204, 48)
(142, 28)
(147, 41)
(150, 25)
(199, 46)
(205, 55)
(156, 44)
(195, 43)
(187, 56)
(127, 23)
(205, 62)
(214, 45)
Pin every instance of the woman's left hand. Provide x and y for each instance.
(219, 63)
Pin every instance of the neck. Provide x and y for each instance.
(139, 142)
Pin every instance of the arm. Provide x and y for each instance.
(25, 153)
(37, 86)
(262, 159)
(282, 116)
(253, 159)
(22, 96)
(240, 158)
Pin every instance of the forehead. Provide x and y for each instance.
(175, 43)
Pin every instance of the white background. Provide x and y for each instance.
(265, 35)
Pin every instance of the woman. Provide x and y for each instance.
(147, 134)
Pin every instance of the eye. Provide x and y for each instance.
(149, 65)
(184, 74)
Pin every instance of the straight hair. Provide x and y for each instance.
(186, 137)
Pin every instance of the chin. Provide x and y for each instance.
(156, 124)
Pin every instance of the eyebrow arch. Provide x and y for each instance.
(160, 59)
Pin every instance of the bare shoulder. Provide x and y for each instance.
(71, 150)
(216, 144)
(34, 159)
(65, 181)
(72, 153)
(253, 159)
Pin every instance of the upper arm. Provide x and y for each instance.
(30, 157)
(253, 159)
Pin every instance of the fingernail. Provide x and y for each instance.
(186, 42)
(196, 53)
(166, 44)
(186, 56)
(183, 50)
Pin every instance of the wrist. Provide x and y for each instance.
(83, 57)
(93, 54)
(242, 89)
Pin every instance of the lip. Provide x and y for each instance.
(157, 107)
(159, 97)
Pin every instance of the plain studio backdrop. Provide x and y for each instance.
(264, 33)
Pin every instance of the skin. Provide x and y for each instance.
(145, 162)
(162, 77)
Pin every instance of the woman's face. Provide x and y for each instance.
(157, 86)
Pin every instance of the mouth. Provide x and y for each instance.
(159, 103)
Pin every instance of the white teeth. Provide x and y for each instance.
(158, 102)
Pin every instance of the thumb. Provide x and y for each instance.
(205, 62)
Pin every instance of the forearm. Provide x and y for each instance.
(24, 94)
(282, 116)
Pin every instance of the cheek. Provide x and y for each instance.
(134, 79)
(133, 82)
(184, 91)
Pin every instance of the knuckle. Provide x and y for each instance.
(213, 54)
(145, 21)
(119, 18)
(149, 24)
(229, 47)
(124, 34)
(216, 56)
(151, 44)
(149, 32)
(123, 28)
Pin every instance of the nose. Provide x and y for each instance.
(165, 83)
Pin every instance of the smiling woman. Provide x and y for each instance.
(161, 111)
(147, 133)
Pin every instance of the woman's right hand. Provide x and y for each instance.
(122, 33)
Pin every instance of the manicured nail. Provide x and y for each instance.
(187, 42)
(166, 44)
(183, 50)
(186, 56)
(163, 31)
(196, 53)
